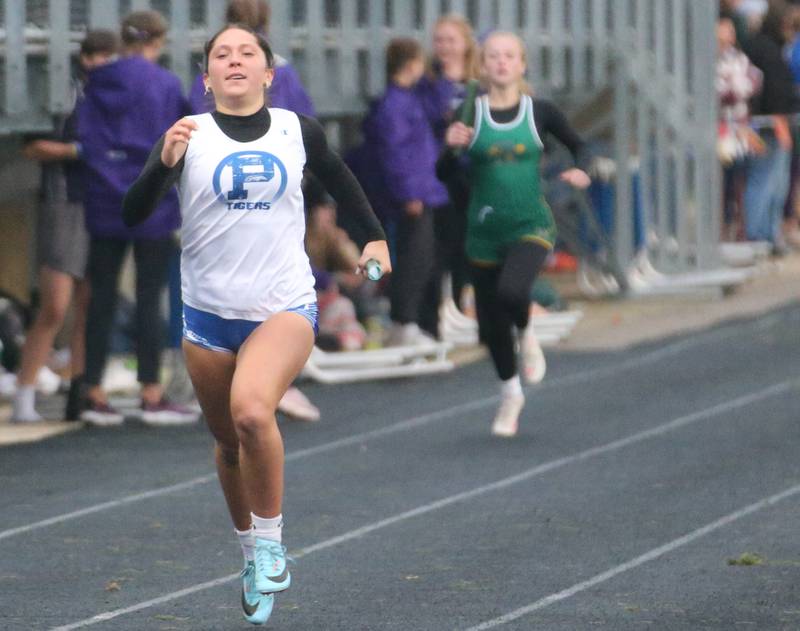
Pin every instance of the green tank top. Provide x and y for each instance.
(506, 201)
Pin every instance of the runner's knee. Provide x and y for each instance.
(252, 416)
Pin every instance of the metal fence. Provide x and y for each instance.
(655, 56)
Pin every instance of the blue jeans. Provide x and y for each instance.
(766, 191)
(602, 195)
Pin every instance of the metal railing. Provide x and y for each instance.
(656, 56)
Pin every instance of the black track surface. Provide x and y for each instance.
(584, 505)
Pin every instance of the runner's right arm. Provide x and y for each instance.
(155, 180)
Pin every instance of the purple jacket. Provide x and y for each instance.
(286, 92)
(127, 106)
(440, 97)
(399, 137)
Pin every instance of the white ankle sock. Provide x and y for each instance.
(267, 527)
(24, 400)
(511, 387)
(248, 542)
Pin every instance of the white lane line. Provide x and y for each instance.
(640, 560)
(128, 499)
(677, 423)
(110, 615)
(408, 424)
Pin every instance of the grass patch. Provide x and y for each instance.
(748, 558)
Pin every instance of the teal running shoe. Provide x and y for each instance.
(257, 607)
(272, 574)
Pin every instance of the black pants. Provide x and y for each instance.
(106, 255)
(450, 232)
(502, 300)
(413, 265)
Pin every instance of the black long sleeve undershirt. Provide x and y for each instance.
(550, 121)
(156, 179)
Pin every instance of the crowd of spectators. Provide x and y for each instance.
(758, 73)
(124, 100)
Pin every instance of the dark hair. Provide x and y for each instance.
(399, 52)
(775, 20)
(254, 13)
(262, 42)
(142, 27)
(100, 41)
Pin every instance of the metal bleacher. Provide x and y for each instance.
(637, 74)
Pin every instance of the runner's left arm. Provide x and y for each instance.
(551, 121)
(339, 181)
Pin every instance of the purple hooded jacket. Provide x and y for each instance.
(128, 104)
(440, 97)
(286, 92)
(399, 154)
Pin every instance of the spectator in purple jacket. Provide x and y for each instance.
(127, 105)
(442, 89)
(398, 135)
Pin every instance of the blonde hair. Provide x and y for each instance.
(524, 86)
(471, 61)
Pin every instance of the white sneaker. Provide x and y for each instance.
(101, 414)
(8, 384)
(29, 416)
(119, 377)
(297, 405)
(409, 335)
(23, 408)
(47, 382)
(506, 421)
(534, 365)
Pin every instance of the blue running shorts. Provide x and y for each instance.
(215, 333)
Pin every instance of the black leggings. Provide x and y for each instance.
(450, 227)
(106, 255)
(413, 266)
(502, 300)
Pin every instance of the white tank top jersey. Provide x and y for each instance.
(243, 221)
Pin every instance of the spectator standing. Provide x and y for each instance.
(128, 104)
(403, 149)
(62, 246)
(442, 89)
(791, 211)
(737, 80)
(768, 174)
(736, 11)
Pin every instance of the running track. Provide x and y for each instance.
(636, 477)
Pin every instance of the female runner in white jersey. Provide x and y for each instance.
(248, 291)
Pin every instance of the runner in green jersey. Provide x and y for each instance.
(510, 228)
